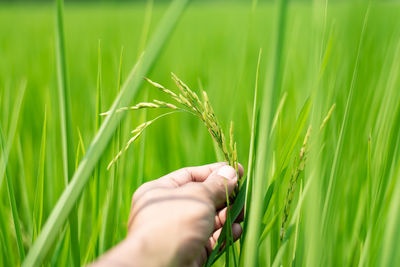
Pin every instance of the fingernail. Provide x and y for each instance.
(228, 172)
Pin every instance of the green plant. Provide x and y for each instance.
(188, 101)
(74, 189)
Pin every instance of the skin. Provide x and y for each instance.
(176, 219)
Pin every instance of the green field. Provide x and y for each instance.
(346, 200)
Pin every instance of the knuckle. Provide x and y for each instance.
(140, 192)
(148, 195)
(207, 192)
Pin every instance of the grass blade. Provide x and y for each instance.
(96, 180)
(252, 135)
(146, 26)
(107, 235)
(235, 211)
(12, 130)
(26, 205)
(129, 89)
(13, 204)
(8, 256)
(39, 191)
(264, 150)
(66, 125)
(344, 122)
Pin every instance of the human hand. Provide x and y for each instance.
(176, 220)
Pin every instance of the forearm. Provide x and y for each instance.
(136, 250)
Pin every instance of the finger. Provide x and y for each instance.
(212, 241)
(180, 177)
(241, 170)
(190, 174)
(236, 231)
(202, 259)
(221, 180)
(221, 216)
(220, 219)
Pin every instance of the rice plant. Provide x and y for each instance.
(316, 116)
(189, 102)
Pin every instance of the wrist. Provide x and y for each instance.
(139, 248)
(152, 247)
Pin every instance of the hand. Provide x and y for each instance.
(176, 220)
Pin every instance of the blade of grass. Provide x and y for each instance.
(269, 227)
(344, 122)
(39, 190)
(298, 129)
(90, 251)
(252, 135)
(264, 151)
(390, 256)
(13, 205)
(96, 180)
(296, 233)
(229, 230)
(276, 82)
(26, 205)
(235, 211)
(278, 112)
(66, 124)
(107, 235)
(12, 129)
(129, 89)
(146, 26)
(253, 141)
(6, 241)
(57, 255)
(293, 222)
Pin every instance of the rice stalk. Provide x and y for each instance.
(189, 101)
(143, 105)
(298, 170)
(324, 122)
(293, 181)
(137, 132)
(296, 234)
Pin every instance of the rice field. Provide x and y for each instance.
(312, 88)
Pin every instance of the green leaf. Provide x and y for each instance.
(39, 190)
(68, 153)
(12, 130)
(79, 180)
(13, 204)
(235, 211)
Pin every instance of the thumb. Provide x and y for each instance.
(222, 179)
